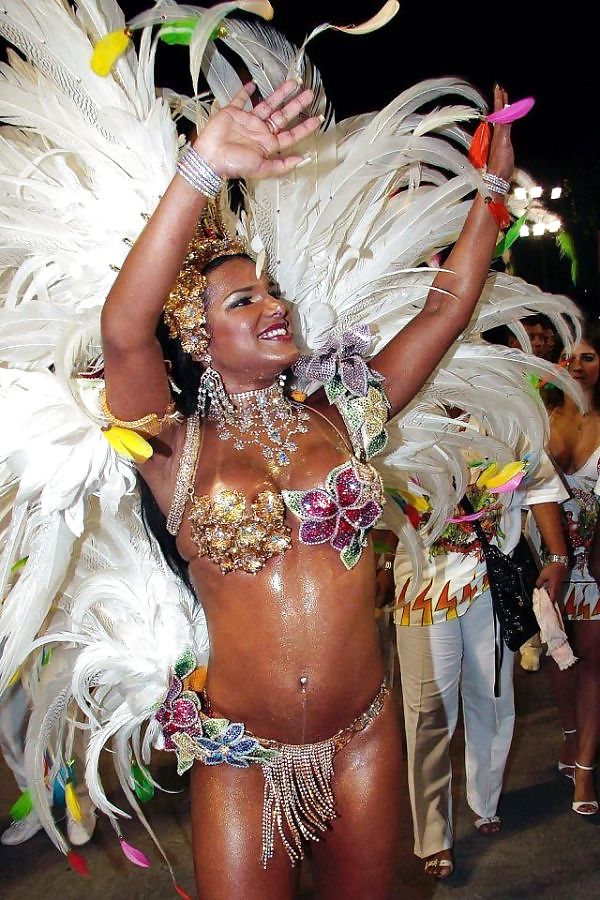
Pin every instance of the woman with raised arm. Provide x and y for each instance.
(271, 502)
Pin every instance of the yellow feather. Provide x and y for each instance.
(509, 471)
(196, 680)
(108, 50)
(419, 503)
(72, 802)
(15, 678)
(487, 473)
(128, 443)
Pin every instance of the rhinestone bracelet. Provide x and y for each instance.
(199, 174)
(495, 183)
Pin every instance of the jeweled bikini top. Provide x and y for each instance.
(236, 535)
(240, 536)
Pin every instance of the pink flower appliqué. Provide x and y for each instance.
(178, 713)
(341, 513)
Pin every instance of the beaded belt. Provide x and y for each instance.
(298, 796)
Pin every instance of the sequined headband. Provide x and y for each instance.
(184, 312)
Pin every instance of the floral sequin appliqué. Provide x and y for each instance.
(191, 734)
(229, 536)
(341, 513)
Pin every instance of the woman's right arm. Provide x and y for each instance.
(236, 144)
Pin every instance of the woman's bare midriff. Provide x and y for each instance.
(294, 651)
(294, 648)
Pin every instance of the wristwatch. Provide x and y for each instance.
(557, 558)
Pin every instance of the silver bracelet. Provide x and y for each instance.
(199, 174)
(557, 558)
(495, 183)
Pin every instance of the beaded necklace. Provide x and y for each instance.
(264, 418)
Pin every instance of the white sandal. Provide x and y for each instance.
(488, 820)
(438, 867)
(585, 807)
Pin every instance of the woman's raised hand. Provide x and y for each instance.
(501, 160)
(238, 143)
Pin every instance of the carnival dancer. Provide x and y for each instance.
(309, 681)
(348, 235)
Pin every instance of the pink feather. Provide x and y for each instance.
(512, 112)
(470, 518)
(133, 855)
(510, 485)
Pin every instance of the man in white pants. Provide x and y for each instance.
(446, 647)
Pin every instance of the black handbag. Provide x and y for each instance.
(511, 580)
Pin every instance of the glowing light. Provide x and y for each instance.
(520, 193)
(538, 229)
(554, 226)
(535, 192)
(555, 193)
(524, 231)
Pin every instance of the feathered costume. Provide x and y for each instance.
(349, 235)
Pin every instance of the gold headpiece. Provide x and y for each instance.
(184, 312)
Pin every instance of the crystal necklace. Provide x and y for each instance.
(263, 418)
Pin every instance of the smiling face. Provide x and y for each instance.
(251, 337)
(583, 365)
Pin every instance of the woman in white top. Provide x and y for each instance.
(575, 445)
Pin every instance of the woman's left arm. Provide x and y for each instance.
(412, 355)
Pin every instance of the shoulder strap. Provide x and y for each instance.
(344, 438)
(186, 471)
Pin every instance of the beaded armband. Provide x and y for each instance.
(152, 424)
(353, 387)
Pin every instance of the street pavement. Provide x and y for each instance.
(543, 851)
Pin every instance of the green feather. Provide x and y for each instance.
(19, 566)
(566, 245)
(143, 787)
(22, 807)
(179, 32)
(510, 237)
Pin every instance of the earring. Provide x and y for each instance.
(282, 378)
(212, 393)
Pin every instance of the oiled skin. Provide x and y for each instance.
(302, 614)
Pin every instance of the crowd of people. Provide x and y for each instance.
(261, 500)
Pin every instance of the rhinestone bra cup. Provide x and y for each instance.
(340, 515)
(229, 536)
(239, 536)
